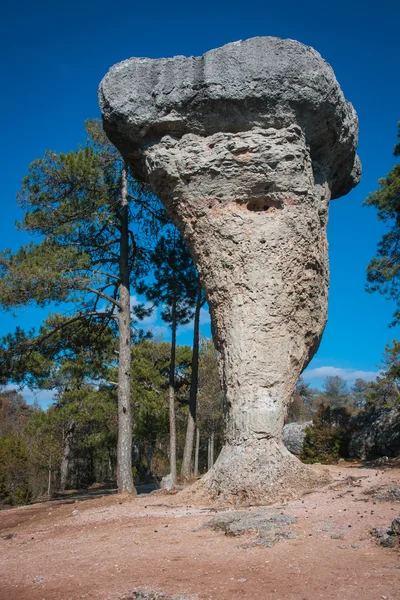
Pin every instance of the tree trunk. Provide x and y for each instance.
(149, 455)
(196, 453)
(191, 425)
(49, 479)
(209, 454)
(124, 451)
(171, 395)
(212, 449)
(66, 457)
(92, 476)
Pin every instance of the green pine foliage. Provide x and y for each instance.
(174, 279)
(94, 228)
(383, 272)
(71, 204)
(300, 408)
(210, 399)
(327, 440)
(14, 470)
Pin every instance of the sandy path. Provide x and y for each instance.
(116, 545)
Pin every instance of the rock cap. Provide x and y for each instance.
(260, 82)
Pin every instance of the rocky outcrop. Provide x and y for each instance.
(246, 146)
(389, 537)
(375, 434)
(270, 528)
(167, 483)
(293, 436)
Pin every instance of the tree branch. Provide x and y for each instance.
(161, 218)
(104, 296)
(103, 273)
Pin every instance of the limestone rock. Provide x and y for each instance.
(270, 528)
(166, 483)
(385, 493)
(376, 434)
(293, 436)
(396, 526)
(263, 82)
(246, 146)
(386, 537)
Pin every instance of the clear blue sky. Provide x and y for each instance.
(54, 55)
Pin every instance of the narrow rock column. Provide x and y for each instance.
(262, 258)
(246, 146)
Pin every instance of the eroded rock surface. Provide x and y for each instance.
(145, 595)
(294, 435)
(376, 434)
(246, 146)
(270, 528)
(388, 536)
(385, 493)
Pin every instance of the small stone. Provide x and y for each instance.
(75, 513)
(287, 535)
(166, 483)
(388, 541)
(38, 579)
(337, 536)
(242, 580)
(396, 526)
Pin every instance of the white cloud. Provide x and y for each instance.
(205, 318)
(346, 374)
(160, 331)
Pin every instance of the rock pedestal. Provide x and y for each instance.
(246, 146)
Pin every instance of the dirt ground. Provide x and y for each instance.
(115, 545)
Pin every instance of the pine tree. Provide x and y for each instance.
(383, 272)
(150, 379)
(86, 210)
(335, 392)
(209, 421)
(175, 288)
(191, 424)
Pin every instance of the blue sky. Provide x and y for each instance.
(54, 55)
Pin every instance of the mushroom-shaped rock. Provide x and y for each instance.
(246, 146)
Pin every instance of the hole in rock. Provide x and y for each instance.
(263, 205)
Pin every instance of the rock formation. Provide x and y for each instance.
(246, 146)
(375, 434)
(294, 435)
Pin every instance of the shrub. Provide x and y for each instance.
(327, 440)
(14, 483)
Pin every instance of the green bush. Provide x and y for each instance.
(14, 483)
(327, 440)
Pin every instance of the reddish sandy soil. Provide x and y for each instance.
(115, 545)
